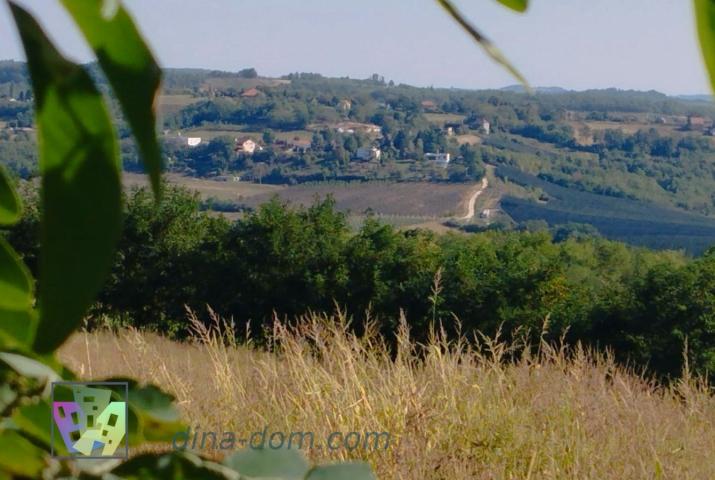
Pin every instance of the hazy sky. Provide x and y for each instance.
(579, 44)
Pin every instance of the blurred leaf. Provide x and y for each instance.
(7, 396)
(17, 329)
(17, 320)
(153, 414)
(34, 420)
(285, 464)
(342, 471)
(174, 466)
(28, 367)
(705, 18)
(95, 467)
(518, 5)
(10, 205)
(130, 68)
(486, 44)
(15, 280)
(80, 185)
(19, 456)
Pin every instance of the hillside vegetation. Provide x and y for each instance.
(305, 128)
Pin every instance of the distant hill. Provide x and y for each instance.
(542, 90)
(696, 98)
(585, 156)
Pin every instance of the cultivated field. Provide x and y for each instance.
(219, 190)
(406, 199)
(417, 202)
(452, 412)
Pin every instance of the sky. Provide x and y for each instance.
(575, 44)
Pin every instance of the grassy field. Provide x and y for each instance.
(626, 127)
(169, 104)
(451, 411)
(220, 190)
(405, 199)
(442, 118)
(469, 139)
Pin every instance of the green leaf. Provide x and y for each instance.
(35, 421)
(130, 69)
(174, 466)
(342, 471)
(159, 417)
(485, 43)
(518, 5)
(153, 416)
(17, 329)
(285, 464)
(10, 205)
(705, 19)
(81, 190)
(15, 281)
(19, 456)
(29, 367)
(17, 320)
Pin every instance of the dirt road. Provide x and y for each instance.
(473, 199)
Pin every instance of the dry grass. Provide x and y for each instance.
(454, 412)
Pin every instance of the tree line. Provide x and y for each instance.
(282, 262)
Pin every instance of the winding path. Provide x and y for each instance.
(473, 199)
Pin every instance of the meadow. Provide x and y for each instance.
(454, 409)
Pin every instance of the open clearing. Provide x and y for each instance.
(449, 411)
(626, 127)
(169, 104)
(442, 118)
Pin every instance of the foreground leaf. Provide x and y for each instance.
(10, 206)
(486, 44)
(518, 5)
(130, 68)
(17, 320)
(81, 190)
(705, 18)
(285, 464)
(153, 416)
(34, 420)
(342, 471)
(175, 466)
(29, 367)
(19, 456)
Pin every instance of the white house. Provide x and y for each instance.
(486, 127)
(193, 141)
(441, 159)
(368, 154)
